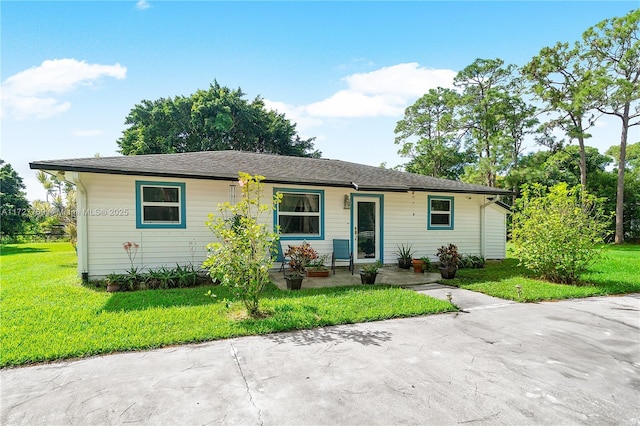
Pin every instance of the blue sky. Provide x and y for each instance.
(344, 71)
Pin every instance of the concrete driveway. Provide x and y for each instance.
(570, 362)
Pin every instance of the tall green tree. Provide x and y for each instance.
(211, 120)
(561, 80)
(613, 47)
(485, 108)
(13, 201)
(429, 136)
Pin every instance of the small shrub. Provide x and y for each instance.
(405, 252)
(427, 265)
(448, 256)
(371, 268)
(472, 261)
(556, 233)
(301, 256)
(241, 257)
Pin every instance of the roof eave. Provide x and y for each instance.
(36, 165)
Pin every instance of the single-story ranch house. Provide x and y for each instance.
(162, 202)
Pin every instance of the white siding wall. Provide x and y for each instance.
(106, 234)
(405, 222)
(496, 236)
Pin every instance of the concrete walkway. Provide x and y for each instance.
(465, 300)
(569, 362)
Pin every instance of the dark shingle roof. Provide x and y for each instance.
(225, 165)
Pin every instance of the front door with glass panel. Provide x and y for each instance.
(366, 231)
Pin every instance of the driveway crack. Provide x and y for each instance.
(246, 383)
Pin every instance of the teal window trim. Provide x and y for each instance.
(380, 197)
(182, 197)
(307, 237)
(435, 227)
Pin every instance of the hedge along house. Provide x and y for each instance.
(162, 202)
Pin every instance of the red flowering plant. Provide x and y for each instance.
(300, 257)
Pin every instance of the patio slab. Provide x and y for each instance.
(391, 275)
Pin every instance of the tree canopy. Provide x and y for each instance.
(476, 132)
(15, 206)
(211, 120)
(428, 135)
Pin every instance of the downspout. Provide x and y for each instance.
(81, 216)
(483, 225)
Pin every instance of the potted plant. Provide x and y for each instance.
(418, 264)
(300, 256)
(317, 267)
(405, 253)
(426, 263)
(113, 282)
(449, 259)
(369, 272)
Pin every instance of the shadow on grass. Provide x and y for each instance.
(16, 249)
(196, 296)
(273, 292)
(149, 299)
(332, 335)
(494, 271)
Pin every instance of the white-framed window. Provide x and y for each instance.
(440, 212)
(160, 205)
(300, 214)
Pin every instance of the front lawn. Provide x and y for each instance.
(618, 272)
(46, 314)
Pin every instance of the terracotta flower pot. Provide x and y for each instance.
(418, 265)
(317, 273)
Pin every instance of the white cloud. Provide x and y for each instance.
(383, 92)
(87, 133)
(408, 80)
(142, 5)
(297, 115)
(29, 92)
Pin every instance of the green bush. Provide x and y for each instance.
(241, 257)
(472, 261)
(556, 231)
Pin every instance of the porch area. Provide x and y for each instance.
(391, 275)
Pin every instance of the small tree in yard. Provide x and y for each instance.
(556, 233)
(242, 256)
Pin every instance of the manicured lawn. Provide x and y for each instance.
(46, 314)
(618, 272)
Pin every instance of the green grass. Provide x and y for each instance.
(618, 272)
(46, 314)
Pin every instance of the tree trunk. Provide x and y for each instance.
(622, 162)
(583, 164)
